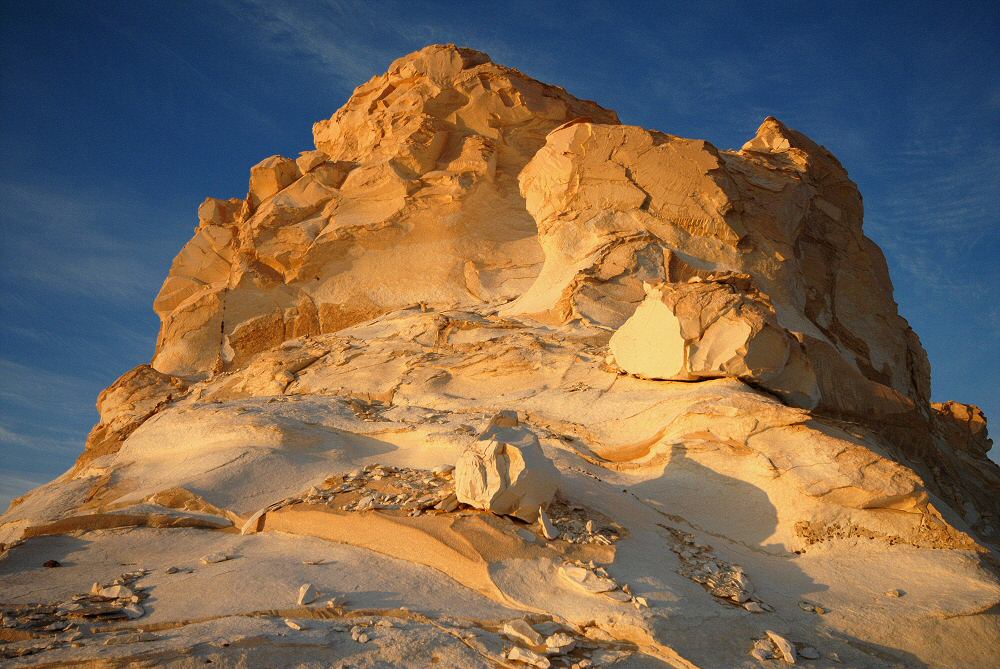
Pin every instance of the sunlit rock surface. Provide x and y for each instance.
(497, 381)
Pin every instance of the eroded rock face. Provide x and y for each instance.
(713, 328)
(125, 404)
(964, 427)
(506, 472)
(420, 163)
(618, 206)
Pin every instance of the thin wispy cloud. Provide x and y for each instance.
(334, 37)
(39, 390)
(56, 240)
(15, 485)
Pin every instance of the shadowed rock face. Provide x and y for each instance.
(620, 384)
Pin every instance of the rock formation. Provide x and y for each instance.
(506, 472)
(489, 379)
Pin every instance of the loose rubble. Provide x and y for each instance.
(575, 526)
(529, 657)
(775, 646)
(378, 487)
(520, 630)
(595, 580)
(723, 580)
(119, 600)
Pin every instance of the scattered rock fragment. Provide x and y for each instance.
(559, 643)
(115, 592)
(213, 558)
(698, 563)
(307, 594)
(520, 630)
(448, 504)
(294, 625)
(783, 645)
(574, 527)
(894, 593)
(171, 570)
(134, 611)
(51, 564)
(549, 530)
(763, 650)
(529, 657)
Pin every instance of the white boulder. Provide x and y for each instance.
(506, 472)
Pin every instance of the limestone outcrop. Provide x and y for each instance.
(620, 206)
(713, 328)
(124, 405)
(420, 164)
(488, 378)
(506, 472)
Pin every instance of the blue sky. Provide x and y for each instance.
(118, 118)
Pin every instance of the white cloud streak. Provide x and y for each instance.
(55, 240)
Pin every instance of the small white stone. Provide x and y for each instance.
(529, 657)
(171, 570)
(294, 625)
(783, 645)
(213, 558)
(307, 594)
(549, 530)
(809, 653)
(520, 630)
